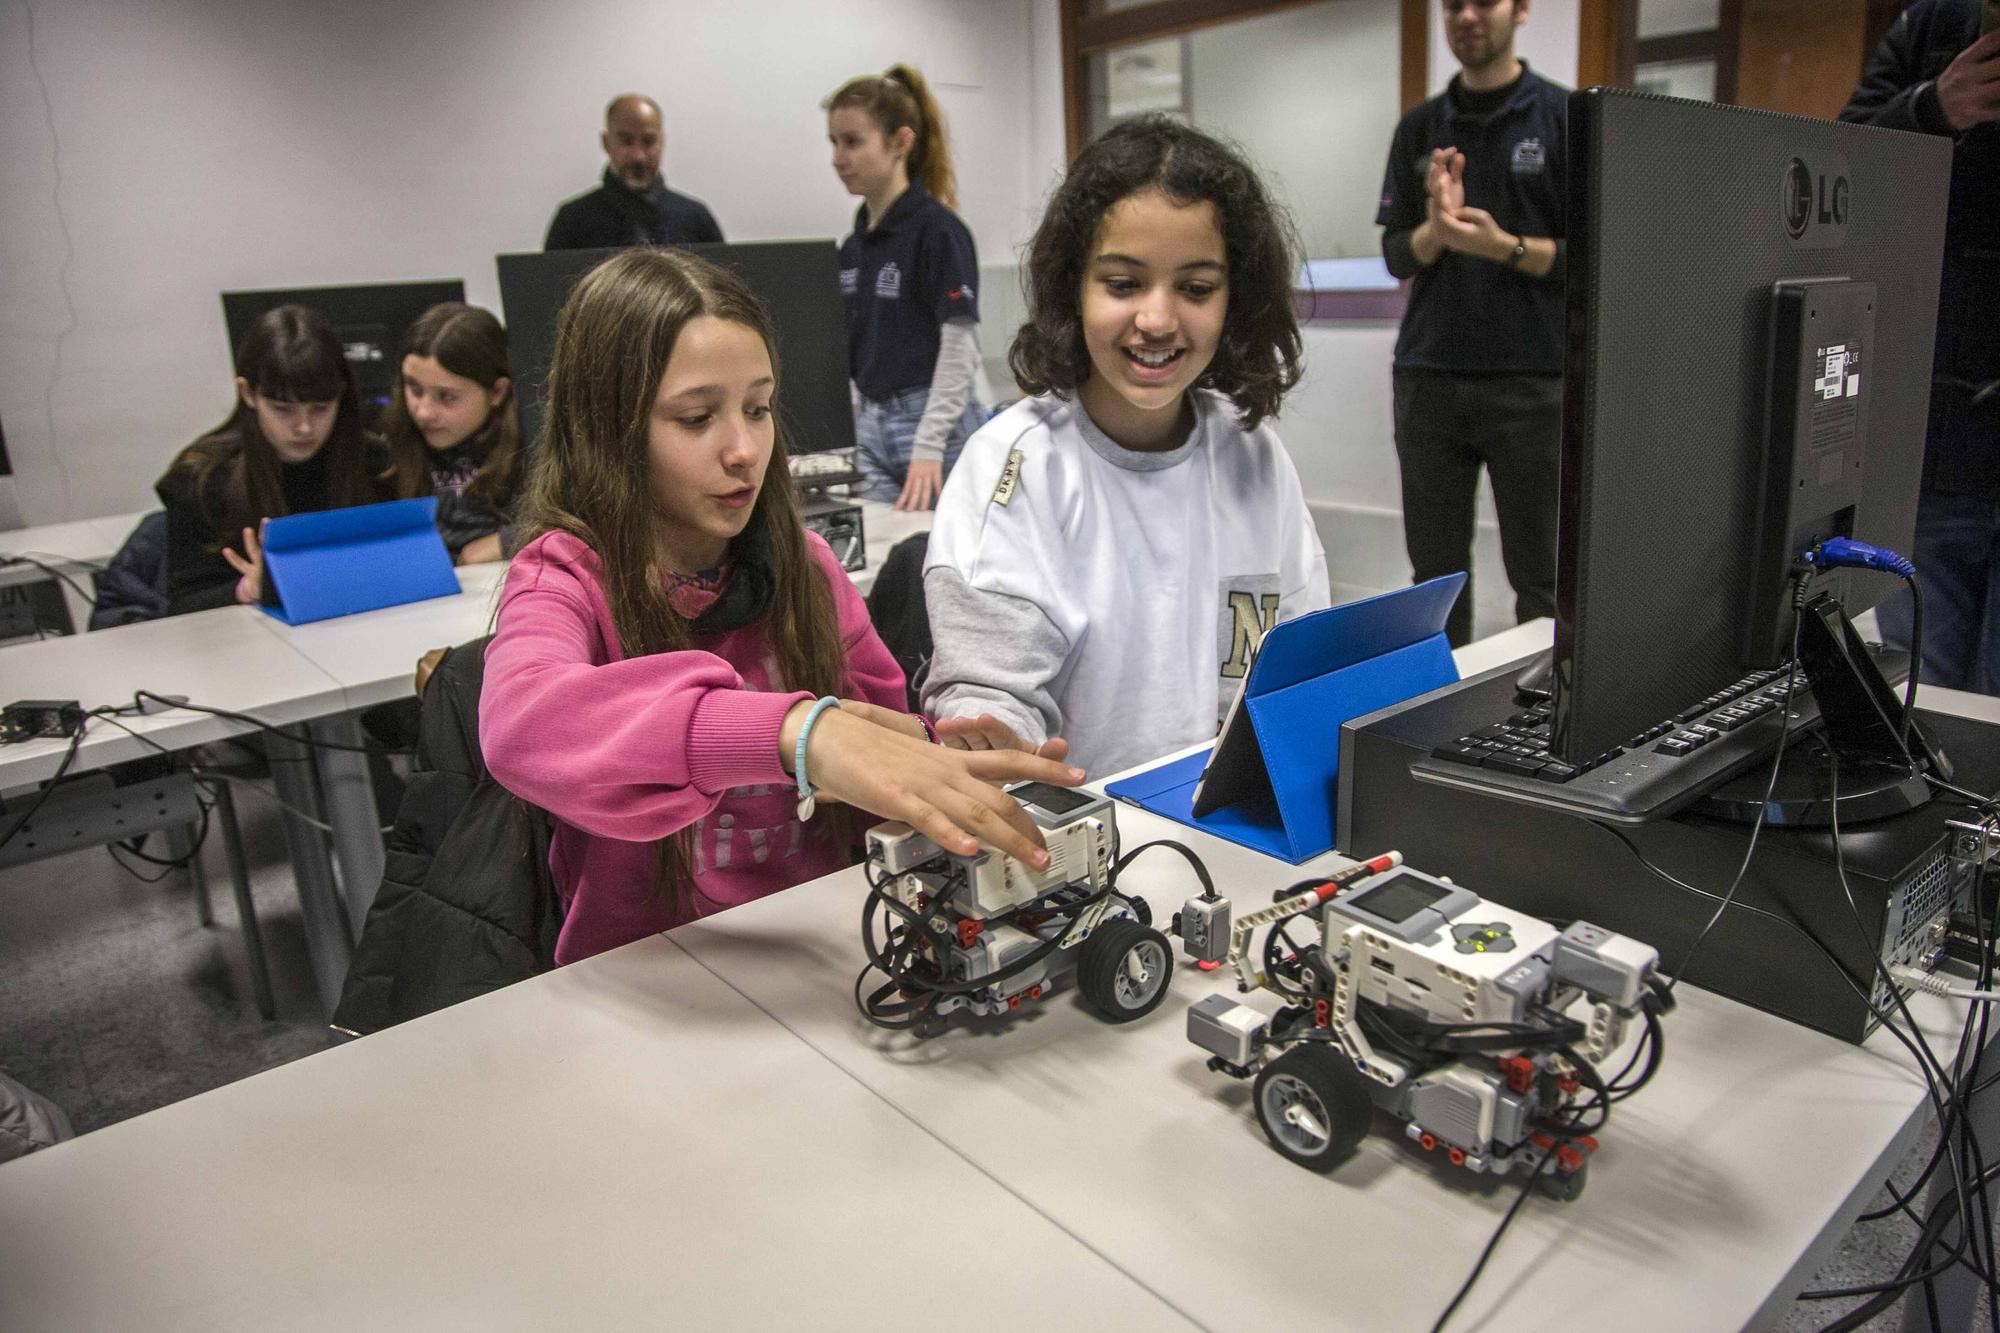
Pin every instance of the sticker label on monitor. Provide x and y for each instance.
(1836, 402)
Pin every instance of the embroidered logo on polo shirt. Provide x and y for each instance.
(1530, 158)
(850, 281)
(889, 282)
(962, 292)
(1010, 477)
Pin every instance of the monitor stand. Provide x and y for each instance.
(1857, 749)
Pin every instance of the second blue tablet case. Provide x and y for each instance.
(1269, 782)
(339, 561)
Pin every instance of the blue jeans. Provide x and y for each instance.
(1958, 566)
(884, 431)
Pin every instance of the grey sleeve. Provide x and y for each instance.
(992, 654)
(951, 389)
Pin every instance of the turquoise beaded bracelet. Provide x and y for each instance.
(807, 803)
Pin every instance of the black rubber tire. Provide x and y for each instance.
(1102, 977)
(1565, 1187)
(1141, 909)
(1326, 1087)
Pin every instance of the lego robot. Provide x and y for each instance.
(986, 934)
(1455, 1015)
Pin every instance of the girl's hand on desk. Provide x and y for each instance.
(921, 485)
(947, 795)
(987, 732)
(249, 588)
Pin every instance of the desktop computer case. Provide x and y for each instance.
(840, 523)
(1769, 950)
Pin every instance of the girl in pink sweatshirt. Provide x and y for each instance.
(671, 631)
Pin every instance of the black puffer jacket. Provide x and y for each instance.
(467, 904)
(133, 587)
(1899, 91)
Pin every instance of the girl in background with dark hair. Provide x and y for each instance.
(680, 667)
(452, 428)
(293, 445)
(909, 275)
(1112, 550)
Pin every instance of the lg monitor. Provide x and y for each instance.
(1751, 306)
(1752, 303)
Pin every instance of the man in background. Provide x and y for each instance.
(1936, 74)
(633, 205)
(1472, 211)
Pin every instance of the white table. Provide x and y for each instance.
(699, 1129)
(78, 549)
(1708, 1172)
(627, 1143)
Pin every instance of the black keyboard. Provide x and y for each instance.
(1650, 775)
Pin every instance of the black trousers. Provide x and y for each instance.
(1447, 427)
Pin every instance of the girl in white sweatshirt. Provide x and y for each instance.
(1109, 552)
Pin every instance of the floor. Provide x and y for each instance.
(114, 1001)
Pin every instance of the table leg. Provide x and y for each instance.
(350, 808)
(329, 943)
(79, 610)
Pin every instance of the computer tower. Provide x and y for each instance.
(1790, 942)
(839, 521)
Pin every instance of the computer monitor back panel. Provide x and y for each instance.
(370, 320)
(1682, 218)
(798, 280)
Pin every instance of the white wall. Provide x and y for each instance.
(186, 147)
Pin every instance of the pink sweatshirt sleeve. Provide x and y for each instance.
(632, 750)
(872, 674)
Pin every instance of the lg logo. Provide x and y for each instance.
(1814, 201)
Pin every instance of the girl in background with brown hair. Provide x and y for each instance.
(679, 666)
(294, 444)
(452, 428)
(909, 276)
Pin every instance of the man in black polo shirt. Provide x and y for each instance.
(633, 206)
(1472, 210)
(1935, 74)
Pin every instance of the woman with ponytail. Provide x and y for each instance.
(908, 274)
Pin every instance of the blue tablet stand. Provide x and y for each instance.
(1269, 782)
(339, 561)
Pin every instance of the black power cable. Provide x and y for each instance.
(311, 742)
(54, 572)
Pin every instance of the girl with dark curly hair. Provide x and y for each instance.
(1111, 551)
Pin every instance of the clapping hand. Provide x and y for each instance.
(1456, 224)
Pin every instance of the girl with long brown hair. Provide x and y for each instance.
(909, 275)
(293, 444)
(680, 669)
(452, 428)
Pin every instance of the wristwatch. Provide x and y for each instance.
(1520, 252)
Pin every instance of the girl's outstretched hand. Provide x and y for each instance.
(947, 795)
(987, 732)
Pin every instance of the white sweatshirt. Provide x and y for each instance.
(1084, 590)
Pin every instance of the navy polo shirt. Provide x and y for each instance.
(1471, 315)
(901, 280)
